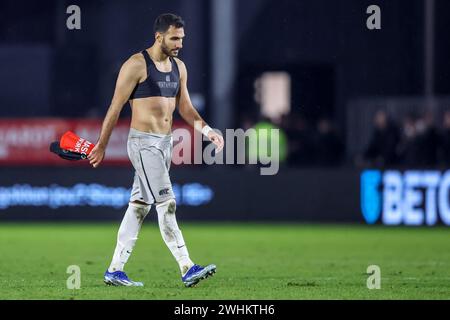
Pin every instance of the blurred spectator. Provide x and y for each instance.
(427, 140)
(407, 147)
(381, 150)
(419, 143)
(444, 150)
(329, 147)
(300, 141)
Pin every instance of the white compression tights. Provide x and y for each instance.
(128, 234)
(171, 234)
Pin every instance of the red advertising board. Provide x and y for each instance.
(27, 141)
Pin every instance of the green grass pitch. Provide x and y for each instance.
(254, 261)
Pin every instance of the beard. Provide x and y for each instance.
(165, 49)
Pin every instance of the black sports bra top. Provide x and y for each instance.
(157, 84)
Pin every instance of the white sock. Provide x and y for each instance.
(171, 234)
(128, 234)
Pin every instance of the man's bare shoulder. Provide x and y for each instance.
(180, 64)
(178, 60)
(134, 68)
(136, 61)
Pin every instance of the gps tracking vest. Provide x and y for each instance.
(157, 84)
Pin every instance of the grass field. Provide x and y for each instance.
(254, 261)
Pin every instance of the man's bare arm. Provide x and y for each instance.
(129, 76)
(185, 107)
(189, 113)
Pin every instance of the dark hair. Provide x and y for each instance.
(164, 21)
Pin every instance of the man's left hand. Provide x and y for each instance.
(217, 139)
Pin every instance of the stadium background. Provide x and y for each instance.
(365, 113)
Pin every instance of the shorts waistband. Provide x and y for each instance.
(141, 134)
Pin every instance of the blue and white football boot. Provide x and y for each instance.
(120, 278)
(197, 273)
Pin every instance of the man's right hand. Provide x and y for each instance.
(96, 156)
